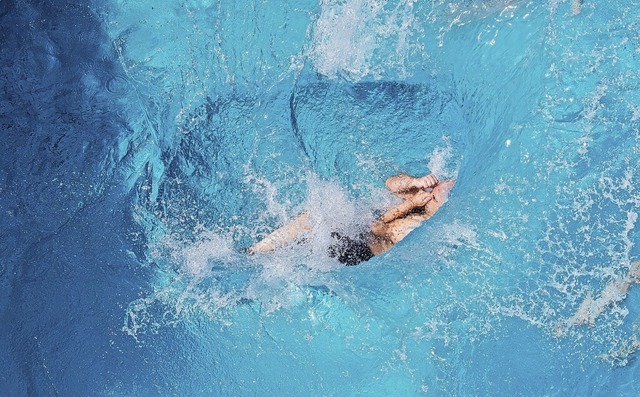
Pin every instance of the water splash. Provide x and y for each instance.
(202, 274)
(352, 39)
(442, 162)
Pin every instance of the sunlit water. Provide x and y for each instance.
(147, 144)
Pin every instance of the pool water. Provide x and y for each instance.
(146, 146)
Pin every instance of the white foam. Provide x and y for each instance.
(209, 246)
(348, 34)
(339, 40)
(195, 274)
(440, 161)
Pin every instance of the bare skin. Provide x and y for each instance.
(422, 197)
(283, 235)
(418, 205)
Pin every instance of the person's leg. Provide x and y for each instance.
(403, 183)
(283, 235)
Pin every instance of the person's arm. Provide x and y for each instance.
(395, 224)
(420, 199)
(398, 229)
(404, 183)
(283, 235)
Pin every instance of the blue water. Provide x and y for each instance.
(145, 145)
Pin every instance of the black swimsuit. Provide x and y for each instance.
(350, 251)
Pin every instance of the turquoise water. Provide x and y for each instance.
(146, 145)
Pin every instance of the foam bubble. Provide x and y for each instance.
(349, 34)
(440, 161)
(200, 273)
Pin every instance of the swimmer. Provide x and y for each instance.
(421, 198)
(614, 292)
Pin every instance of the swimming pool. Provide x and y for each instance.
(146, 145)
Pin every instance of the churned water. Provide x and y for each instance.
(146, 144)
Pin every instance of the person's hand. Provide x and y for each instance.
(441, 191)
(420, 198)
(429, 181)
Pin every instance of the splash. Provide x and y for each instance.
(352, 39)
(442, 162)
(202, 273)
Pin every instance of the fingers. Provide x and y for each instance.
(441, 192)
(429, 181)
(402, 183)
(421, 198)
